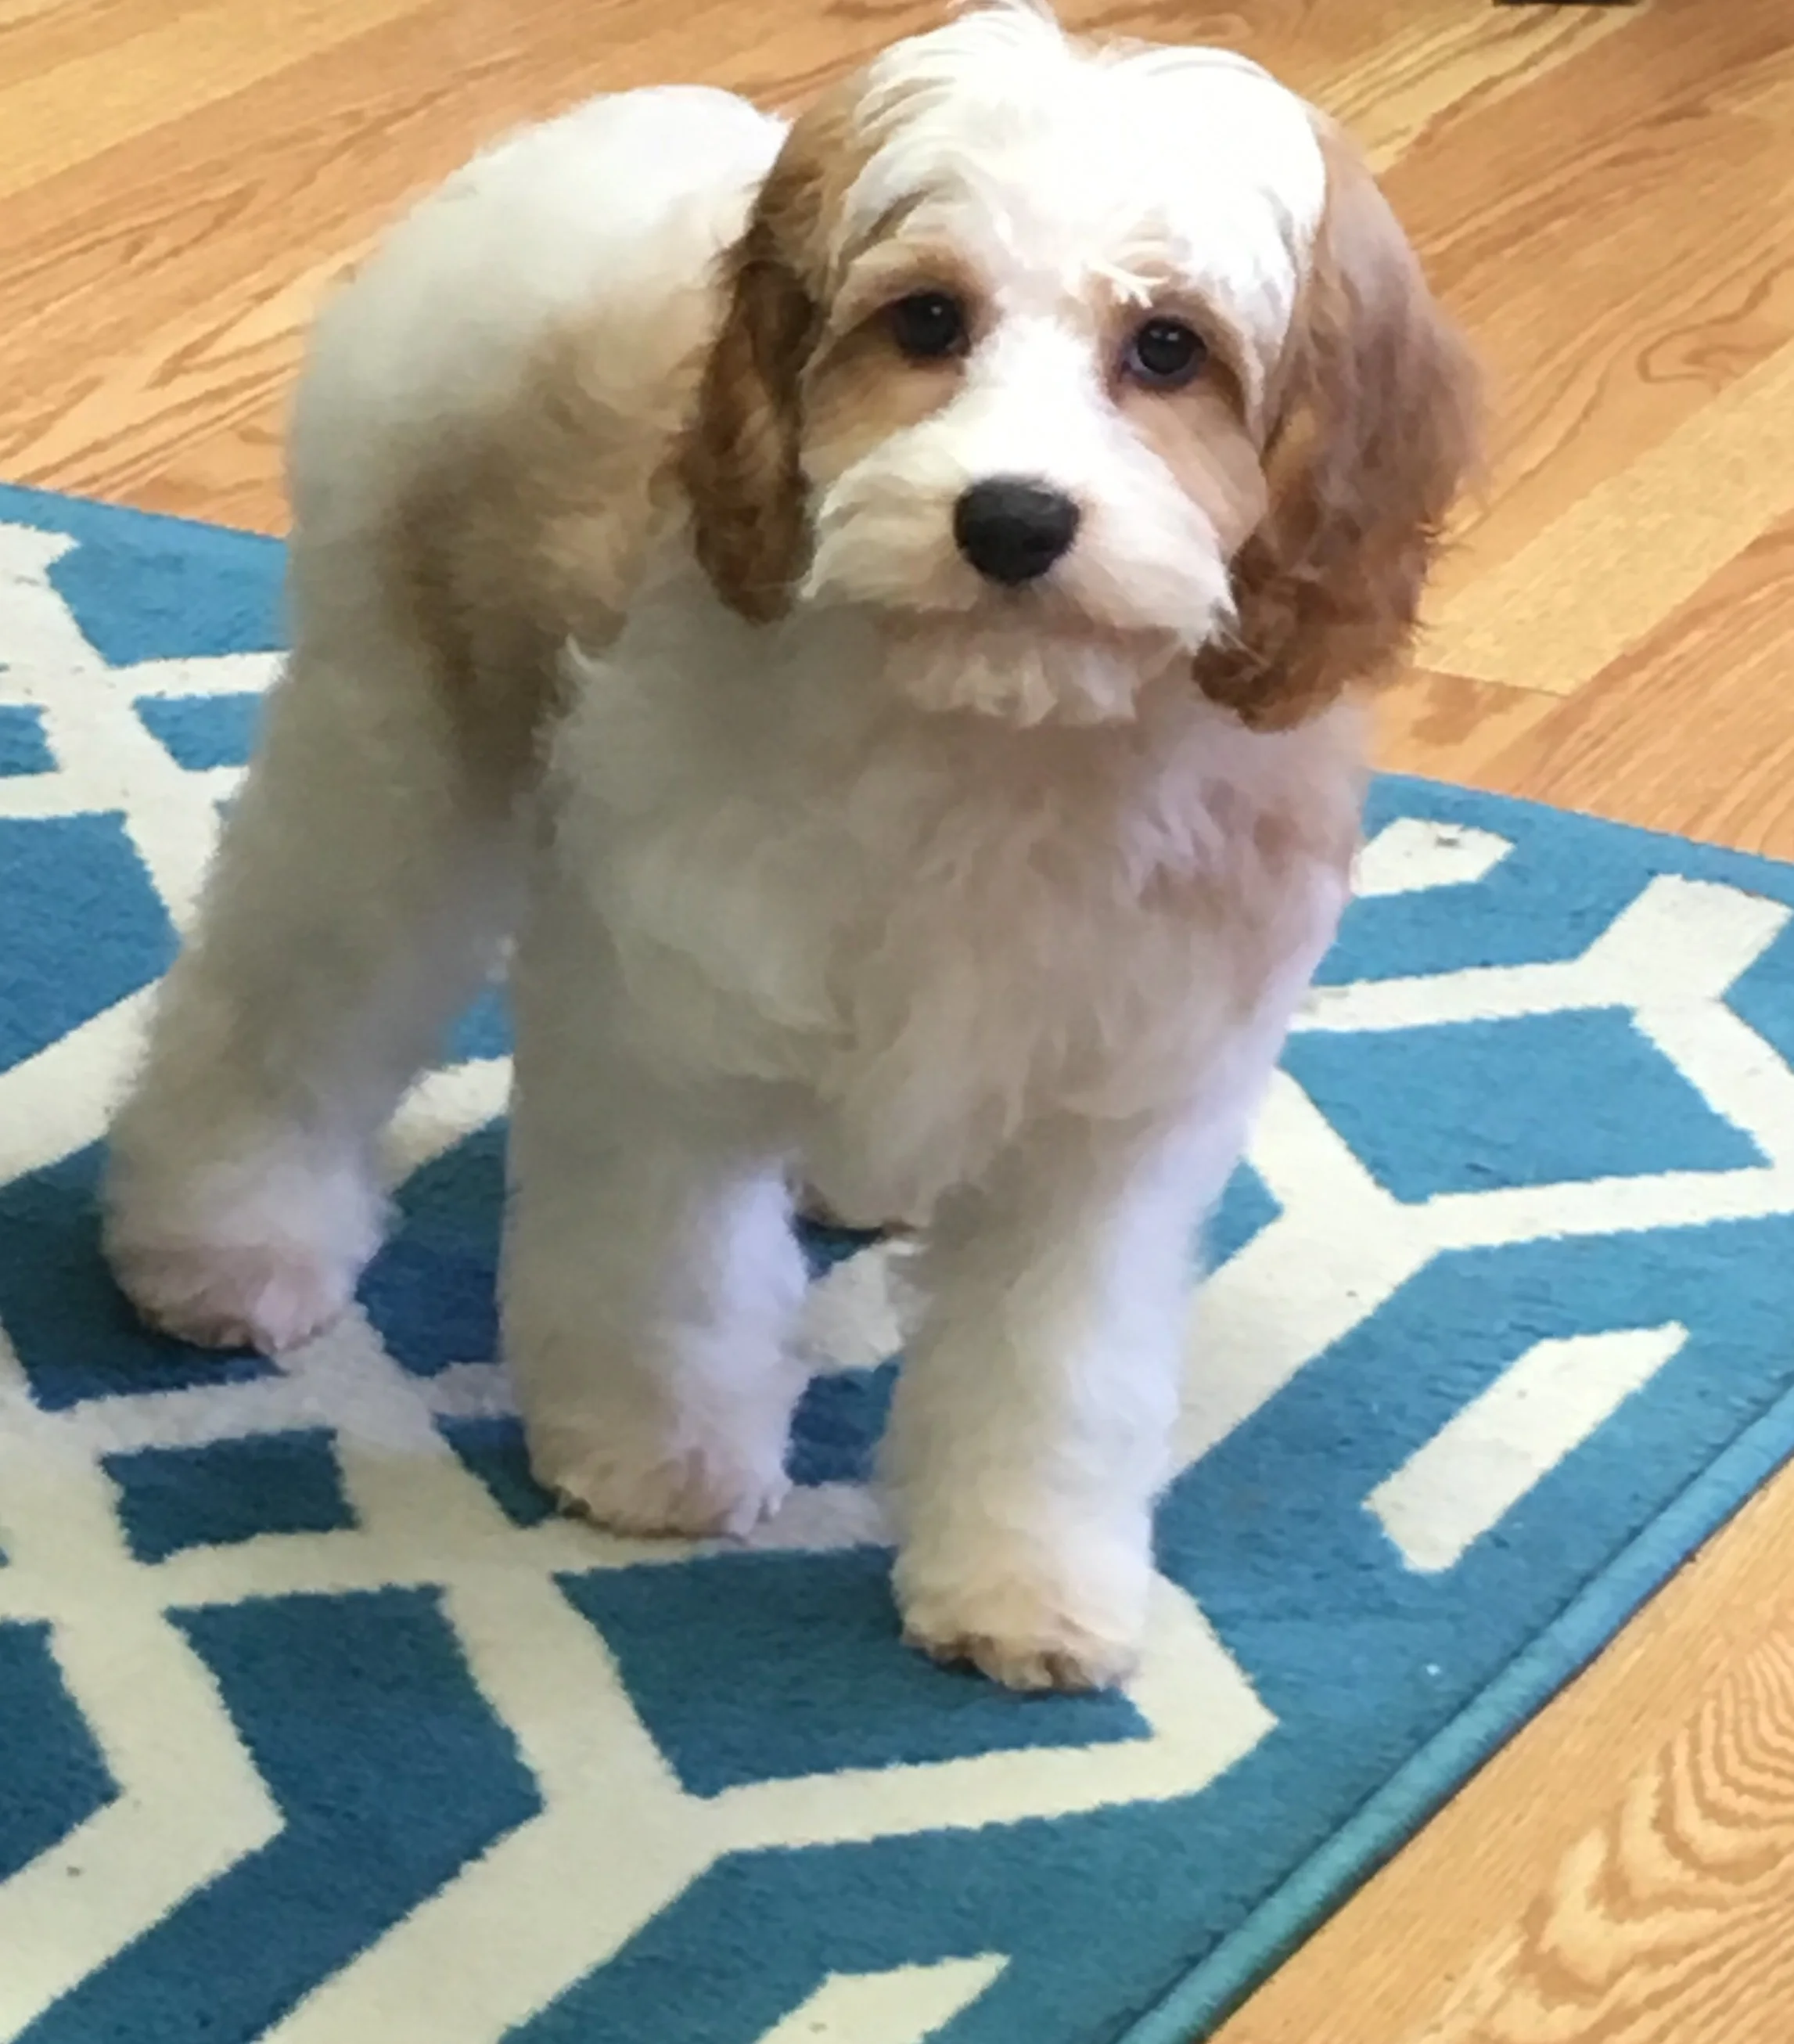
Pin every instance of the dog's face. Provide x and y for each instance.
(1073, 368)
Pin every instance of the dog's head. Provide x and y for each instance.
(1073, 367)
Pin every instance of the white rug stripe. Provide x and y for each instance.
(1480, 1466)
(190, 1803)
(1411, 854)
(905, 2006)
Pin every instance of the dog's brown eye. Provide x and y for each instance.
(928, 326)
(1165, 353)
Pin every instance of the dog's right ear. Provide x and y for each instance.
(1377, 428)
(740, 464)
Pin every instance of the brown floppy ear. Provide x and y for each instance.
(1375, 428)
(739, 464)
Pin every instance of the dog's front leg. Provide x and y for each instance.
(651, 1276)
(1033, 1415)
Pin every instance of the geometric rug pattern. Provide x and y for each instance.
(317, 1725)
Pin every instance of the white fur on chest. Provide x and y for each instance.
(922, 932)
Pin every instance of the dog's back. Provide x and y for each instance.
(612, 215)
(483, 430)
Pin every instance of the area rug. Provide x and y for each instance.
(317, 1726)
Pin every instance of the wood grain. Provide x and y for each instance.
(1620, 244)
(1451, 729)
(169, 393)
(1692, 729)
(1623, 1873)
(1647, 536)
(1606, 197)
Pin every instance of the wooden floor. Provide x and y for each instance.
(1606, 195)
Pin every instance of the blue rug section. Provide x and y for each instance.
(490, 1448)
(65, 875)
(52, 1777)
(808, 1634)
(1764, 997)
(902, 1816)
(1532, 1099)
(199, 732)
(148, 588)
(169, 1499)
(74, 1336)
(1559, 888)
(330, 1695)
(483, 1031)
(836, 1428)
(430, 1291)
(1247, 1208)
(25, 747)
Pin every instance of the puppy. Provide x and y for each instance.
(871, 607)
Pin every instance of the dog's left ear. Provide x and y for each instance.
(1374, 420)
(740, 463)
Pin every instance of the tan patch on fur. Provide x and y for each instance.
(535, 531)
(741, 461)
(1275, 832)
(1302, 832)
(1373, 428)
(1201, 437)
(860, 388)
(534, 528)
(898, 265)
(1203, 432)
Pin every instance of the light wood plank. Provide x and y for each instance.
(1450, 728)
(1692, 730)
(169, 390)
(140, 68)
(1621, 250)
(153, 305)
(1428, 66)
(1634, 546)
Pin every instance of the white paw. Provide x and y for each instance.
(1027, 1629)
(699, 1492)
(270, 1297)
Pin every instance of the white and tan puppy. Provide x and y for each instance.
(871, 606)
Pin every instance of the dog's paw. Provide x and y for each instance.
(1027, 1636)
(702, 1493)
(266, 1297)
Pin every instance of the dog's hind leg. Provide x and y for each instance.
(364, 882)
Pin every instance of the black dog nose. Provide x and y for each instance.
(1013, 530)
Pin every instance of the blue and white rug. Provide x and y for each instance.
(316, 1726)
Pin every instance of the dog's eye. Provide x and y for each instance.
(928, 326)
(1165, 354)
